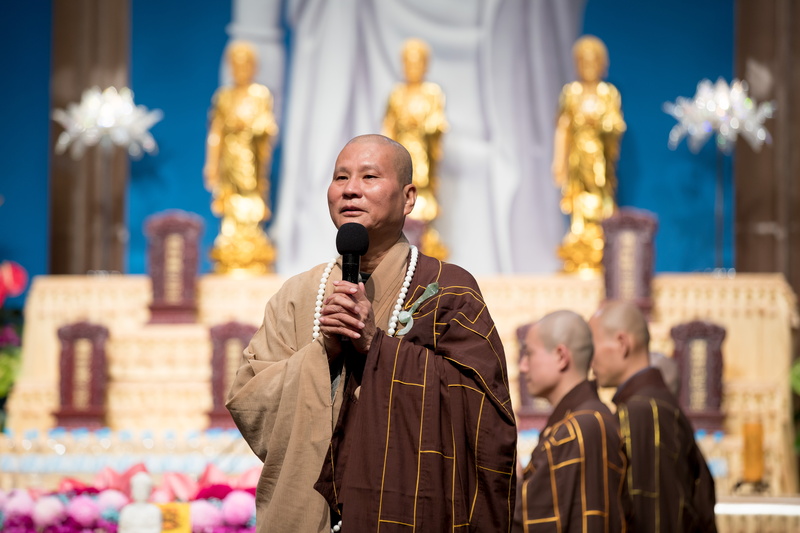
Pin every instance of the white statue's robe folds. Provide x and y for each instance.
(501, 65)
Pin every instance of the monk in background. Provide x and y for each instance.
(669, 482)
(574, 481)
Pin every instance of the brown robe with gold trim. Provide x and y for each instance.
(575, 479)
(668, 480)
(281, 398)
(426, 439)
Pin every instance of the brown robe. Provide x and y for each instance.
(575, 479)
(426, 439)
(668, 480)
(281, 398)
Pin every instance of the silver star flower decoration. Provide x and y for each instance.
(107, 117)
(719, 108)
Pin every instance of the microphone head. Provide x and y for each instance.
(352, 239)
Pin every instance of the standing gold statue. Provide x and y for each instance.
(237, 161)
(586, 151)
(415, 118)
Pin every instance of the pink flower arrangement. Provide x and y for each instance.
(112, 500)
(237, 508)
(49, 511)
(84, 510)
(216, 491)
(217, 508)
(19, 503)
(206, 516)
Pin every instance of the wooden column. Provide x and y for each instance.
(90, 48)
(768, 182)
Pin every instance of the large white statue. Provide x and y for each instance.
(495, 185)
(140, 516)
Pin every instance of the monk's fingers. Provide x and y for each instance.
(363, 304)
(339, 304)
(339, 331)
(345, 287)
(363, 343)
(340, 320)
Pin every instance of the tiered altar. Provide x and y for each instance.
(160, 374)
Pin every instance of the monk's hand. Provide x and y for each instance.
(347, 313)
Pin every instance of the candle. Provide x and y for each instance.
(753, 452)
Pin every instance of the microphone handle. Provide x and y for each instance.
(350, 267)
(351, 263)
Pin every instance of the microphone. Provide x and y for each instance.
(352, 242)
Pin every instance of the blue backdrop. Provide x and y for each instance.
(24, 138)
(658, 51)
(175, 66)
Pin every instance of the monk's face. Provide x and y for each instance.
(608, 362)
(540, 366)
(366, 189)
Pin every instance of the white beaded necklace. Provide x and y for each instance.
(323, 282)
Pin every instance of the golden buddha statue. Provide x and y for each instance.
(238, 155)
(586, 151)
(415, 118)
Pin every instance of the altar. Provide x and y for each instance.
(159, 375)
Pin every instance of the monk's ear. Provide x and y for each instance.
(563, 357)
(410, 195)
(624, 343)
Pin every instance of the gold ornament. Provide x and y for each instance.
(415, 118)
(236, 170)
(586, 151)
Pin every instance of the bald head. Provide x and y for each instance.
(620, 316)
(621, 341)
(556, 355)
(401, 159)
(571, 330)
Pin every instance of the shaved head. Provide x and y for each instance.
(556, 355)
(401, 159)
(621, 341)
(571, 330)
(620, 316)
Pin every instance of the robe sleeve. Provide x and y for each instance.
(281, 395)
